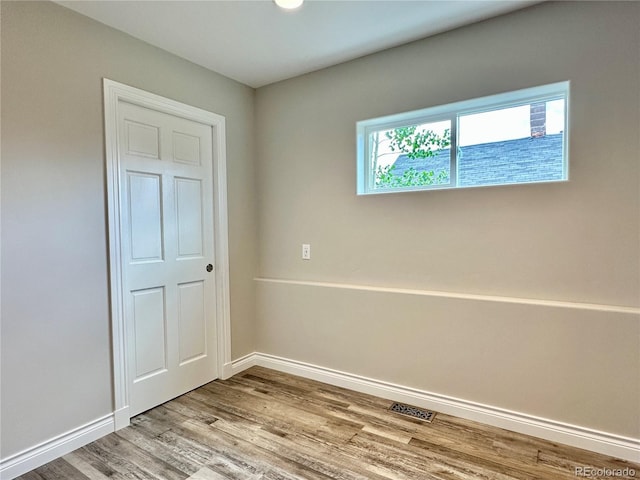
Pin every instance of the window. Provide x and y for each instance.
(510, 138)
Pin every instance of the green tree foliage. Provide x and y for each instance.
(415, 144)
(386, 177)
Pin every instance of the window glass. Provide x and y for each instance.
(520, 144)
(509, 138)
(412, 155)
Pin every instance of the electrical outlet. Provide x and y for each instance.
(306, 251)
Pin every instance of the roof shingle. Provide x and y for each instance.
(511, 161)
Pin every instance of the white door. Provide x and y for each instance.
(167, 244)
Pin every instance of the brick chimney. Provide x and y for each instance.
(538, 119)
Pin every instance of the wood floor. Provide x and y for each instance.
(266, 425)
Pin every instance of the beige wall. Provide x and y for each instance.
(575, 242)
(56, 364)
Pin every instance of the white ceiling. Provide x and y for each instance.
(257, 43)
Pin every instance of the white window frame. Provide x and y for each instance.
(452, 112)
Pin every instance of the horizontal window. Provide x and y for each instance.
(510, 138)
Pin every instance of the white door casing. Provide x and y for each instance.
(166, 175)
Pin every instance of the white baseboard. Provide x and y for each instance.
(37, 456)
(121, 418)
(233, 368)
(575, 436)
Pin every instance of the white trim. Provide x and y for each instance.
(121, 418)
(34, 457)
(115, 92)
(573, 435)
(456, 295)
(240, 365)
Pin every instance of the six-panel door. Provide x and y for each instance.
(166, 196)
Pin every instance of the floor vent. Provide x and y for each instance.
(415, 412)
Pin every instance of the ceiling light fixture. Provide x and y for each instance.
(288, 4)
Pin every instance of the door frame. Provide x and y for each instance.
(114, 93)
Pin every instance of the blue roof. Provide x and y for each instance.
(528, 159)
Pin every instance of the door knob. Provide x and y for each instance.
(209, 268)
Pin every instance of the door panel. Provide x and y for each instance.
(148, 318)
(142, 139)
(186, 148)
(193, 325)
(145, 216)
(189, 216)
(166, 166)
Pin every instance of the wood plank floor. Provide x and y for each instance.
(267, 425)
